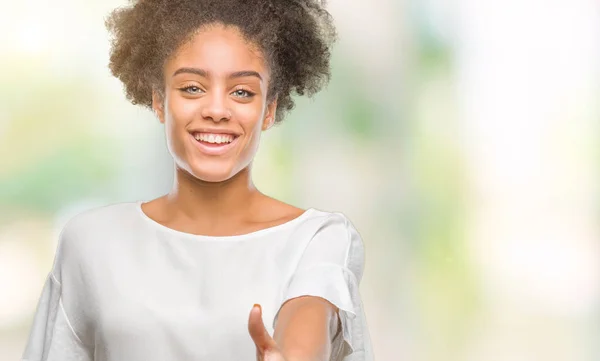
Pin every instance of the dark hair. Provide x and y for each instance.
(295, 37)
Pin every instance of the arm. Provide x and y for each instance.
(305, 329)
(320, 300)
(304, 332)
(52, 336)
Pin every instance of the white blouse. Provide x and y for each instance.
(126, 288)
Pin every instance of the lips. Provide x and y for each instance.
(212, 148)
(212, 138)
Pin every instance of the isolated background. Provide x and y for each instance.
(460, 137)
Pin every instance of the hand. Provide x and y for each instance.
(266, 347)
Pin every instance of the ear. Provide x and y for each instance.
(270, 116)
(158, 105)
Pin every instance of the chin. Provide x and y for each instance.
(214, 173)
(212, 178)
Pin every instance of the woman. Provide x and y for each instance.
(176, 278)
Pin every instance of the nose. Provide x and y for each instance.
(215, 109)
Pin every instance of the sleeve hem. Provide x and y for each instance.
(330, 290)
(348, 240)
(62, 309)
(53, 277)
(64, 312)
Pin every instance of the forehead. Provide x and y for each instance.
(219, 50)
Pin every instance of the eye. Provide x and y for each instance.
(192, 89)
(241, 93)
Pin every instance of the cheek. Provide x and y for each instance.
(250, 117)
(180, 109)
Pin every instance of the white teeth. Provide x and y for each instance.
(214, 138)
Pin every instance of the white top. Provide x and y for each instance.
(126, 288)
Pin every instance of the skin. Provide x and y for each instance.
(304, 330)
(200, 91)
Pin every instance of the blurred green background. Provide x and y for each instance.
(461, 138)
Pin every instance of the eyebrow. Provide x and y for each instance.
(204, 73)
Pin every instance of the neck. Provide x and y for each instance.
(212, 202)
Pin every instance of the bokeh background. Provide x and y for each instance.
(461, 137)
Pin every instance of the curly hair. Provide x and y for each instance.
(295, 37)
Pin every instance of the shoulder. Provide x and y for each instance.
(335, 224)
(99, 219)
(87, 230)
(331, 217)
(335, 232)
(102, 222)
(330, 239)
(100, 216)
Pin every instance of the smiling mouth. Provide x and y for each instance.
(212, 144)
(214, 140)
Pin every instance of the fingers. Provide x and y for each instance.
(258, 332)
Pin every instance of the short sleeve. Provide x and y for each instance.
(51, 336)
(331, 267)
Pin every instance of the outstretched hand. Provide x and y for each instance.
(266, 347)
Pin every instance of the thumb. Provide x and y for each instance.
(258, 332)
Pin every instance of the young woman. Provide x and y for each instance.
(214, 269)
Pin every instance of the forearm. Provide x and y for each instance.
(306, 328)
